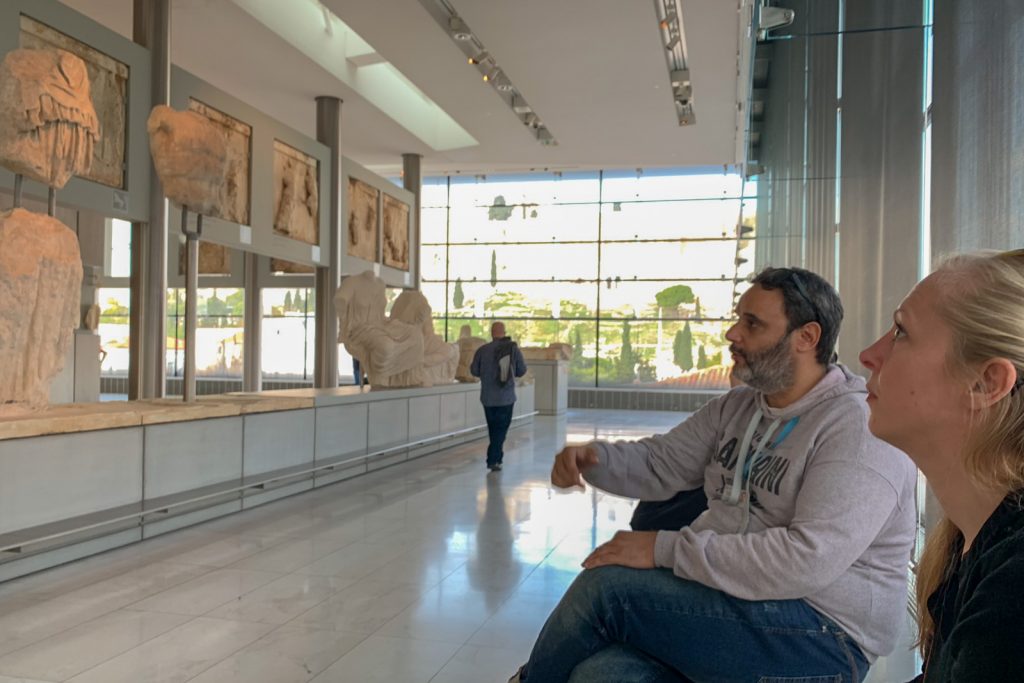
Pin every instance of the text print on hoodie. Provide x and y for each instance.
(831, 508)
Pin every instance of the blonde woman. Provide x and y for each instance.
(947, 387)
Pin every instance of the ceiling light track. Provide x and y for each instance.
(670, 26)
(490, 72)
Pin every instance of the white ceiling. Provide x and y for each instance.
(594, 70)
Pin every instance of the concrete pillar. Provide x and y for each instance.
(252, 352)
(147, 364)
(328, 132)
(412, 179)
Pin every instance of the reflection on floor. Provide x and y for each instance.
(430, 571)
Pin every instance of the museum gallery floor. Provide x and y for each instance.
(432, 570)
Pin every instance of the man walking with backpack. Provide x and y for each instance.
(497, 364)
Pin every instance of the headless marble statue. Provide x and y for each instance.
(48, 129)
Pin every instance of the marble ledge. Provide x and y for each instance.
(85, 417)
(353, 394)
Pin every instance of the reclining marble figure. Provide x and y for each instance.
(395, 351)
(440, 359)
(48, 128)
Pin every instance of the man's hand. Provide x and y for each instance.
(627, 549)
(569, 463)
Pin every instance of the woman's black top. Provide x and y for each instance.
(979, 608)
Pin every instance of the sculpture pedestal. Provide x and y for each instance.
(552, 386)
(79, 379)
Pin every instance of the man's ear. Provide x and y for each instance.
(807, 336)
(995, 381)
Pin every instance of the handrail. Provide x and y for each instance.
(255, 484)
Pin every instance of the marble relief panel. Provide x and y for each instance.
(235, 200)
(296, 195)
(396, 233)
(108, 79)
(362, 219)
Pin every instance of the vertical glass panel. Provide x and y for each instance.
(434, 225)
(547, 188)
(436, 293)
(433, 261)
(434, 192)
(566, 300)
(670, 299)
(674, 354)
(120, 248)
(669, 184)
(671, 260)
(689, 219)
(113, 330)
(524, 223)
(493, 263)
(175, 330)
(287, 333)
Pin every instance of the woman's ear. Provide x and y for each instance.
(996, 380)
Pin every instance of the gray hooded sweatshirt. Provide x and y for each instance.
(831, 513)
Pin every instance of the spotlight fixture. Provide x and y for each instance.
(476, 54)
(459, 30)
(670, 26)
(504, 85)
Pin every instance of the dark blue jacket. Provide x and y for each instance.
(485, 366)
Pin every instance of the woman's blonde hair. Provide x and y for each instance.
(983, 303)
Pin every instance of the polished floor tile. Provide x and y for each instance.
(207, 592)
(178, 655)
(390, 660)
(83, 647)
(291, 654)
(433, 570)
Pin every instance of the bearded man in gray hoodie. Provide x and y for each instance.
(797, 570)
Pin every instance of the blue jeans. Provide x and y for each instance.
(648, 625)
(498, 420)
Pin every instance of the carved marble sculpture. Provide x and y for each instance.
(47, 131)
(440, 359)
(296, 197)
(108, 91)
(40, 279)
(389, 352)
(362, 220)
(396, 233)
(468, 344)
(190, 156)
(48, 126)
(400, 351)
(233, 203)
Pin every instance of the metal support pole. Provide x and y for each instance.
(51, 202)
(252, 351)
(191, 299)
(328, 131)
(147, 357)
(18, 181)
(412, 180)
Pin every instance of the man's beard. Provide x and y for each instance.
(769, 371)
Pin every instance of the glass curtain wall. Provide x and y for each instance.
(638, 271)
